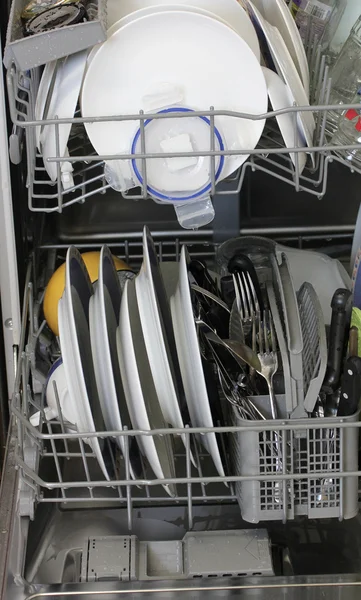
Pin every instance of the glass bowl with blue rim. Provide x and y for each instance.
(177, 179)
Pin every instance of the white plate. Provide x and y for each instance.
(143, 404)
(192, 176)
(67, 83)
(280, 97)
(287, 70)
(158, 332)
(73, 314)
(42, 97)
(238, 83)
(149, 10)
(191, 363)
(228, 10)
(104, 311)
(168, 7)
(278, 14)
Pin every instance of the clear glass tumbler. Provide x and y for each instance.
(337, 40)
(349, 133)
(346, 76)
(317, 18)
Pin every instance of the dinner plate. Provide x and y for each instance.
(191, 363)
(140, 393)
(278, 14)
(159, 339)
(75, 345)
(238, 83)
(149, 10)
(229, 10)
(64, 97)
(104, 312)
(42, 97)
(287, 71)
(190, 179)
(280, 97)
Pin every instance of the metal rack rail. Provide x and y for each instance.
(271, 156)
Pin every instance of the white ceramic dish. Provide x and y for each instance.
(104, 311)
(169, 7)
(280, 97)
(67, 83)
(238, 84)
(73, 313)
(150, 10)
(141, 396)
(278, 14)
(288, 72)
(191, 363)
(228, 10)
(42, 97)
(190, 177)
(157, 334)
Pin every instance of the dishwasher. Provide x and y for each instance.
(65, 532)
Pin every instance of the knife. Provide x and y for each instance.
(341, 305)
(350, 388)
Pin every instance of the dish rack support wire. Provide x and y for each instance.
(315, 472)
(271, 156)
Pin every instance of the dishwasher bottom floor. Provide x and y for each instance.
(57, 538)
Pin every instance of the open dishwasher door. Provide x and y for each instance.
(65, 531)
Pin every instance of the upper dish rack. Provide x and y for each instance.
(271, 156)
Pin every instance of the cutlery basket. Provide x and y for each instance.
(32, 51)
(314, 453)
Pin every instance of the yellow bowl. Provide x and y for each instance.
(56, 285)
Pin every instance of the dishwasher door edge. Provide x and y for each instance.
(9, 282)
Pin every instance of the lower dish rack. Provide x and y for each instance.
(274, 470)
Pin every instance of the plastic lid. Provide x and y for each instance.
(177, 179)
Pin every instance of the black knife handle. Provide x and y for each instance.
(338, 338)
(351, 387)
(227, 290)
(241, 263)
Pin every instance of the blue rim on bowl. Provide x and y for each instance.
(159, 195)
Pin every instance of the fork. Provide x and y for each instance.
(246, 299)
(248, 308)
(267, 352)
(267, 355)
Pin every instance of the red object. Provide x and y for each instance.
(358, 124)
(351, 114)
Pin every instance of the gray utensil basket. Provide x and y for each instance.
(308, 462)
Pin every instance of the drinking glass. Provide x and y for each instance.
(346, 76)
(349, 132)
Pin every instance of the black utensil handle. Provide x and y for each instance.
(338, 338)
(227, 290)
(351, 387)
(202, 276)
(241, 263)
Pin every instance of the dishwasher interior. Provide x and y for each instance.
(65, 533)
(70, 535)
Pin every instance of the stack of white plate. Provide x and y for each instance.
(184, 57)
(132, 360)
(166, 57)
